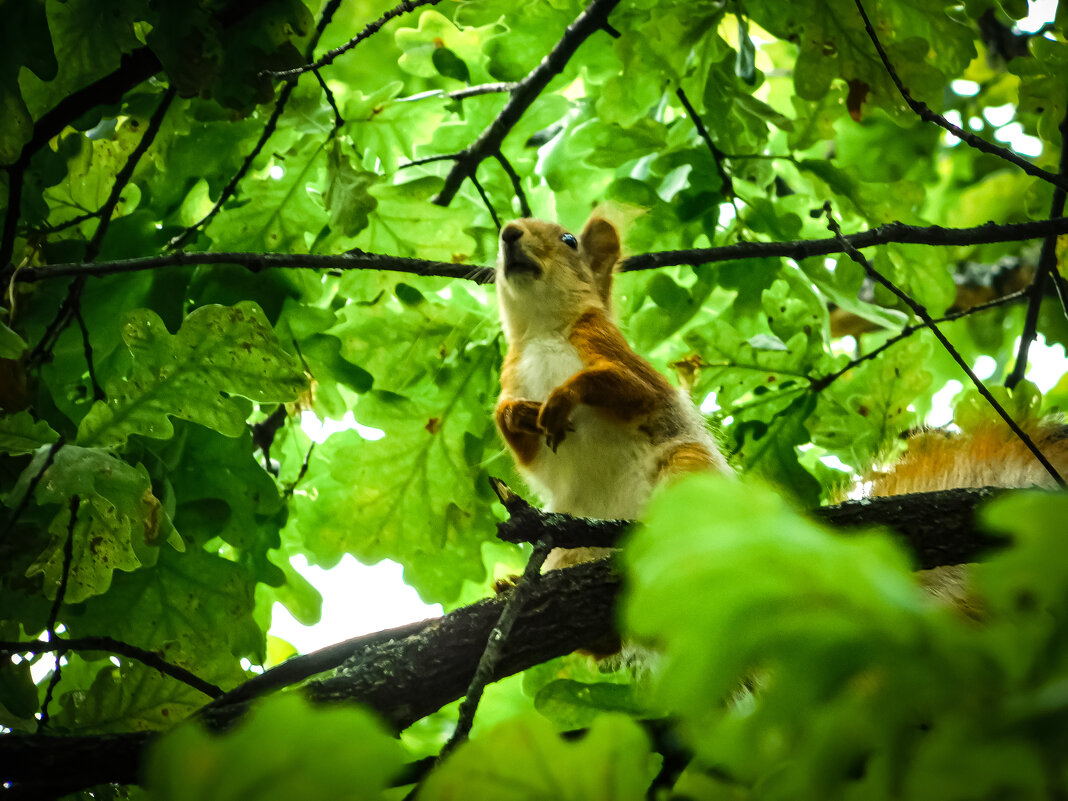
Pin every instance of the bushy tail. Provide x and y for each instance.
(991, 456)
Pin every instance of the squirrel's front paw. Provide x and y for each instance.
(519, 416)
(554, 419)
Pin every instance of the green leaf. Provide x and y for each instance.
(11, 344)
(130, 697)
(217, 350)
(20, 433)
(193, 608)
(524, 758)
(855, 421)
(119, 525)
(285, 749)
(346, 197)
(745, 61)
(572, 705)
(785, 620)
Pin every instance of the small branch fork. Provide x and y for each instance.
(925, 113)
(922, 313)
(593, 19)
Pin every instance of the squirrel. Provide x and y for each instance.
(593, 427)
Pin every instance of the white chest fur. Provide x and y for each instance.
(603, 468)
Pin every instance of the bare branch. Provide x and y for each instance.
(1047, 265)
(462, 94)
(925, 113)
(594, 18)
(517, 184)
(113, 646)
(884, 234)
(31, 487)
(718, 155)
(922, 313)
(263, 261)
(369, 30)
(799, 249)
(61, 593)
(489, 207)
(497, 641)
(819, 384)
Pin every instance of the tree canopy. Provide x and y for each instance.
(221, 216)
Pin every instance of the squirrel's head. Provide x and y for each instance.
(547, 276)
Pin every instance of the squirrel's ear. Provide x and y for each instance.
(600, 243)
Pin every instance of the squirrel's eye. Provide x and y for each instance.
(569, 240)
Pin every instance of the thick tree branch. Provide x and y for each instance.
(594, 18)
(924, 112)
(407, 673)
(358, 260)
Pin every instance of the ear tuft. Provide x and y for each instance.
(600, 244)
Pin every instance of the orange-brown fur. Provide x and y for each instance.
(992, 455)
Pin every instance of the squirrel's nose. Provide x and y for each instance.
(511, 233)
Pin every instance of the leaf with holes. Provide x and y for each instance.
(219, 353)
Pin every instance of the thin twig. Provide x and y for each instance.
(487, 665)
(427, 160)
(71, 306)
(1047, 265)
(923, 314)
(594, 18)
(884, 234)
(338, 119)
(53, 616)
(820, 384)
(369, 30)
(462, 94)
(925, 113)
(87, 349)
(517, 184)
(486, 201)
(124, 175)
(718, 156)
(110, 645)
(263, 261)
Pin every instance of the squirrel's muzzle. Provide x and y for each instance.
(514, 257)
